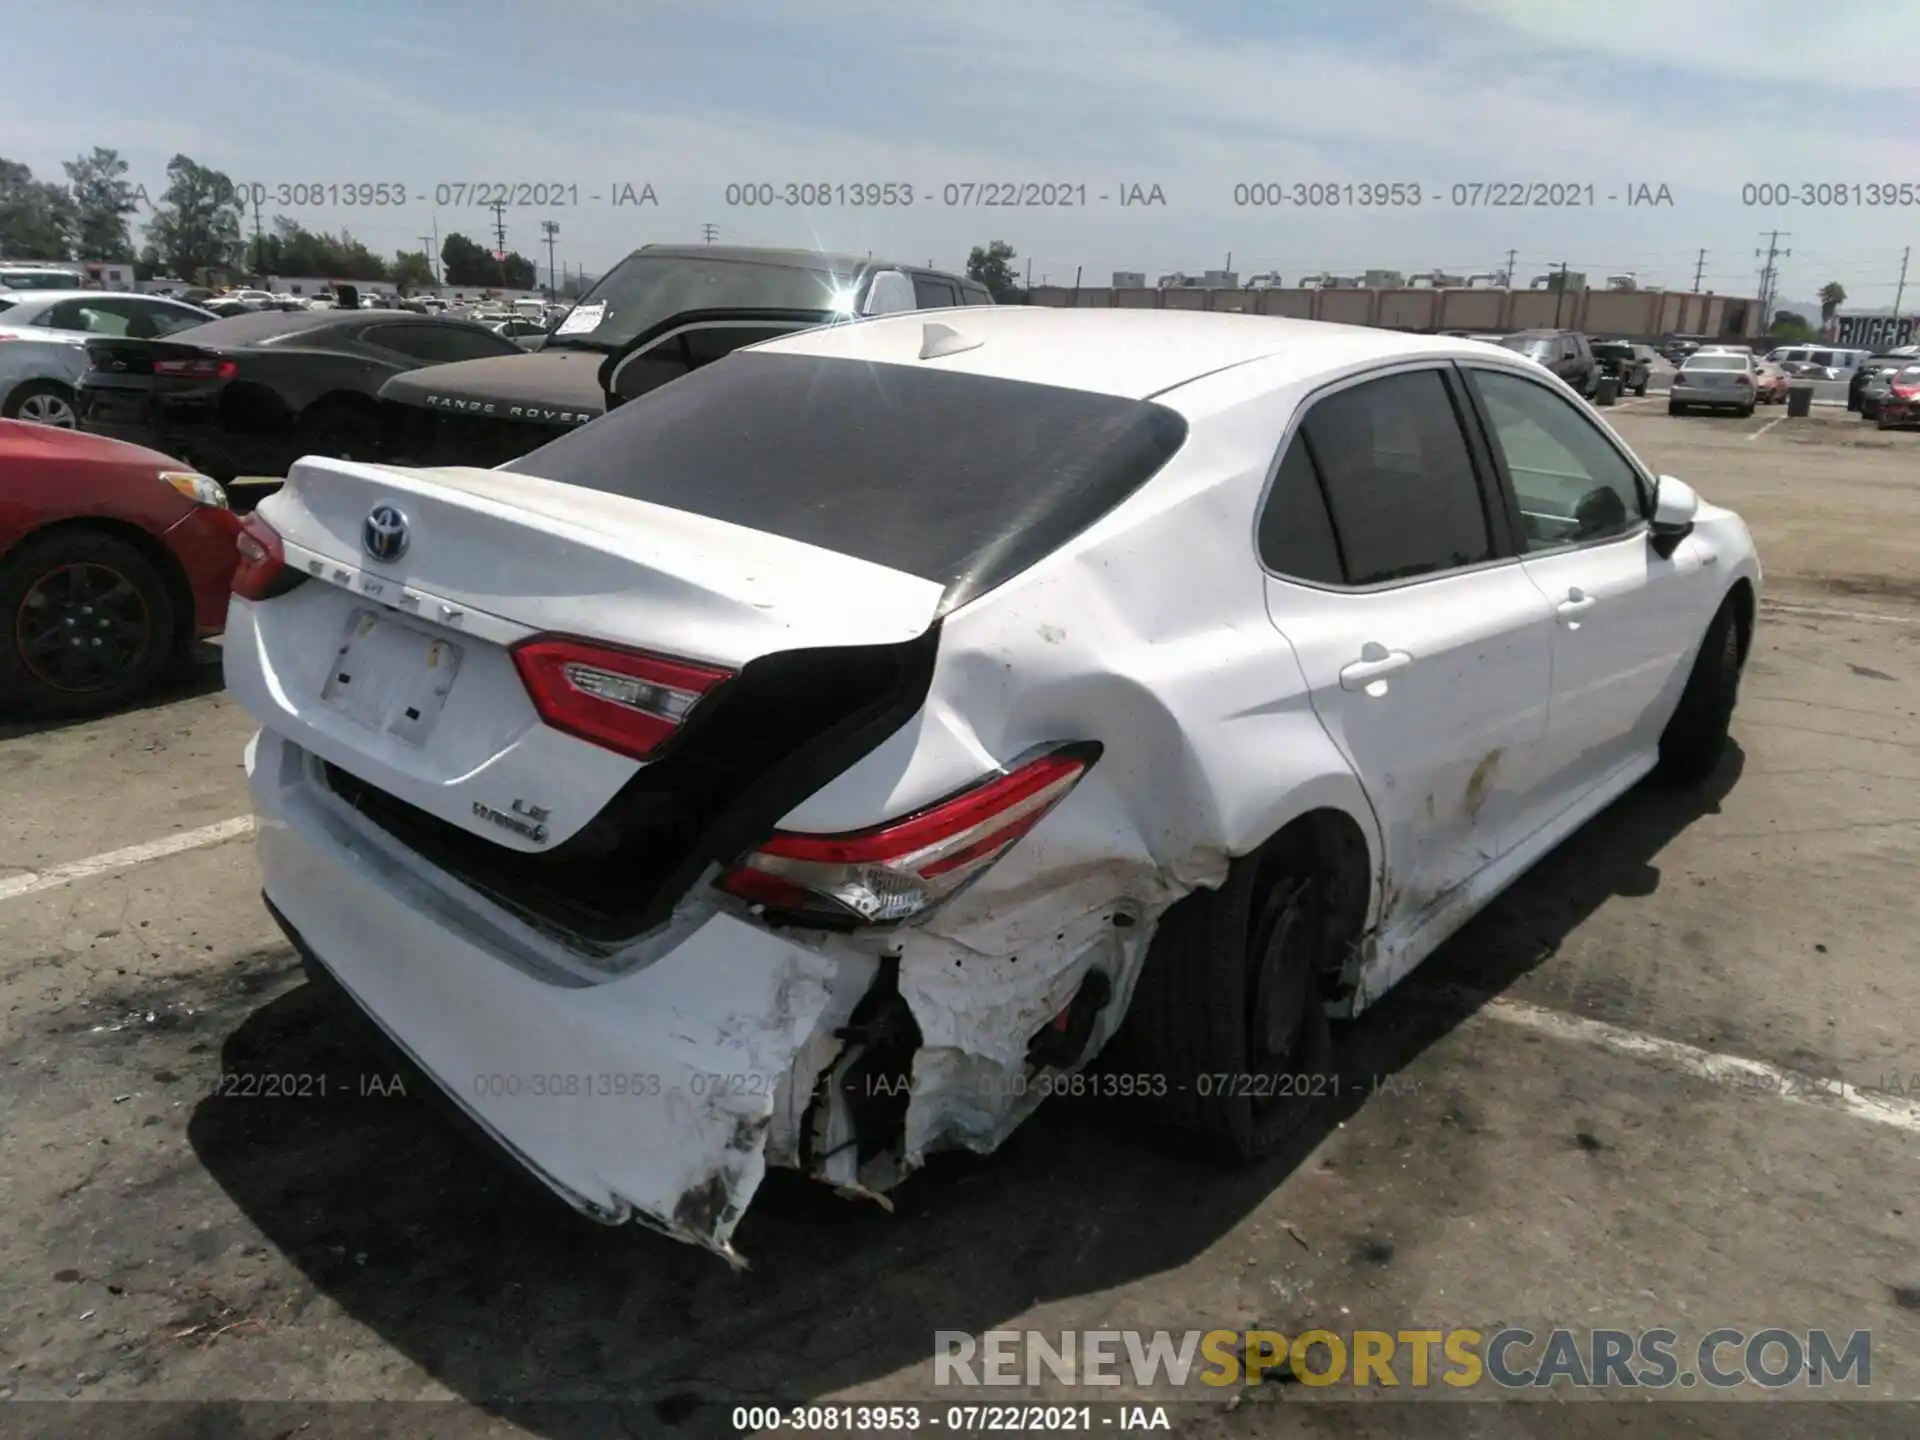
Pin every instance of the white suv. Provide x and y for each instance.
(810, 761)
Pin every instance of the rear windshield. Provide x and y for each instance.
(965, 480)
(1716, 362)
(1607, 350)
(1537, 346)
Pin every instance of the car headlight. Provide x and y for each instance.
(201, 489)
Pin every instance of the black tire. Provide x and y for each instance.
(107, 583)
(37, 400)
(1674, 407)
(341, 430)
(1641, 388)
(1696, 736)
(1745, 412)
(1230, 1007)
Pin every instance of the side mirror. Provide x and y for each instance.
(1674, 506)
(891, 293)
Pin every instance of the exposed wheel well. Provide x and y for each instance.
(338, 400)
(1331, 843)
(1741, 598)
(41, 381)
(178, 590)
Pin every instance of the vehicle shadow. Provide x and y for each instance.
(562, 1326)
(199, 675)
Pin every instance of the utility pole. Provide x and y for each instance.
(1029, 284)
(1900, 288)
(433, 261)
(1506, 280)
(550, 228)
(1773, 252)
(709, 232)
(260, 249)
(1699, 269)
(1559, 294)
(499, 209)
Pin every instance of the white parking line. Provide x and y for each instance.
(1766, 427)
(1754, 1076)
(18, 885)
(1821, 612)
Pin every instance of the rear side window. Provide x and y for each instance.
(932, 294)
(440, 344)
(1296, 533)
(964, 480)
(1399, 480)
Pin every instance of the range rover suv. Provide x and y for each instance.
(663, 311)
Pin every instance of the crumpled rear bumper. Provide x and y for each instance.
(650, 1097)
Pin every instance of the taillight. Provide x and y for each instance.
(262, 573)
(898, 869)
(624, 700)
(199, 367)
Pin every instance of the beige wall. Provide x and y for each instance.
(1644, 313)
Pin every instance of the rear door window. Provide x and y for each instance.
(1399, 479)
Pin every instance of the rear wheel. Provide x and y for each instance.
(1230, 1010)
(1674, 407)
(43, 402)
(1641, 388)
(1696, 736)
(88, 620)
(341, 431)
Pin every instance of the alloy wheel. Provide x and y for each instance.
(80, 627)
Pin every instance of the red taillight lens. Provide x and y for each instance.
(200, 367)
(623, 700)
(899, 869)
(262, 572)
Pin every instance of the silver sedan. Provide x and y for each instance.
(44, 335)
(1719, 380)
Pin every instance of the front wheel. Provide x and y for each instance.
(1696, 736)
(87, 623)
(1745, 412)
(1641, 388)
(1230, 1010)
(1674, 407)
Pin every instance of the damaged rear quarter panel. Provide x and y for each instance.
(1150, 634)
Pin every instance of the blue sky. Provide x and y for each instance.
(1196, 97)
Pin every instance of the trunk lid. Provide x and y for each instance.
(399, 672)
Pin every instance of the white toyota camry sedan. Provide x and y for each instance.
(815, 760)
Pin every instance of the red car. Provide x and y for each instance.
(1900, 406)
(113, 560)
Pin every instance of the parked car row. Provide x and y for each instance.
(1871, 380)
(42, 339)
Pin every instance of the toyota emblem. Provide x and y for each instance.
(384, 536)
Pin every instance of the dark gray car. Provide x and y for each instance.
(1565, 352)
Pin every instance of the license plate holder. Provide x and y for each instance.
(390, 676)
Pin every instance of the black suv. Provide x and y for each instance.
(1630, 364)
(663, 311)
(1564, 352)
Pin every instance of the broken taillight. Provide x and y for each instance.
(623, 700)
(262, 572)
(898, 869)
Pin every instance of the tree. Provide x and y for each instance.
(102, 201)
(1790, 326)
(993, 268)
(464, 263)
(1832, 296)
(36, 216)
(519, 271)
(196, 226)
(411, 270)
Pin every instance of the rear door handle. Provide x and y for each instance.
(1578, 602)
(1375, 662)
